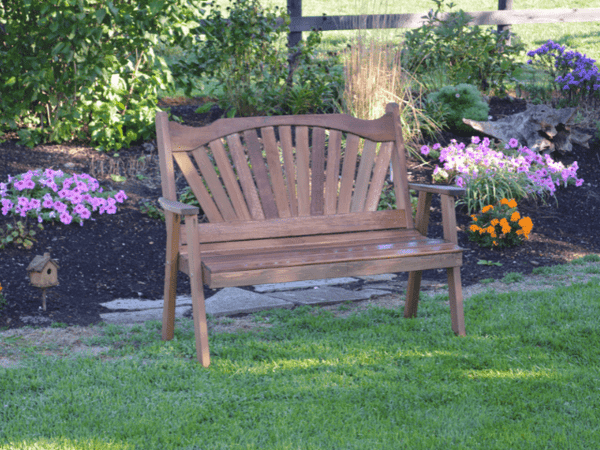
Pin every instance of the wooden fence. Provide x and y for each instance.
(504, 17)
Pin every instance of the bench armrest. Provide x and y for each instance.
(437, 189)
(174, 207)
(448, 208)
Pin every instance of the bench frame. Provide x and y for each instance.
(209, 252)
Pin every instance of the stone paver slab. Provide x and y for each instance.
(230, 301)
(121, 318)
(380, 277)
(326, 295)
(302, 284)
(135, 304)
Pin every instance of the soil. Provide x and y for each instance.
(122, 255)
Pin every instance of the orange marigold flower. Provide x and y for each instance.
(487, 208)
(490, 229)
(493, 234)
(505, 225)
(526, 224)
(474, 228)
(495, 222)
(494, 242)
(519, 232)
(515, 216)
(504, 201)
(0, 288)
(512, 203)
(474, 217)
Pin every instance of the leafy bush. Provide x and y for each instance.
(574, 74)
(246, 52)
(86, 69)
(499, 226)
(473, 54)
(453, 103)
(489, 175)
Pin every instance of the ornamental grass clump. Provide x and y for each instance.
(52, 196)
(500, 225)
(575, 74)
(490, 174)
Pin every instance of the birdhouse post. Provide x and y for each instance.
(43, 273)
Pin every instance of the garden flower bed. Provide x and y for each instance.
(122, 255)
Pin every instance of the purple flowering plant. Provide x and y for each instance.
(489, 174)
(574, 74)
(53, 196)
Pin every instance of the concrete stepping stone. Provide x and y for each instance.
(381, 277)
(135, 304)
(326, 295)
(302, 284)
(230, 301)
(122, 318)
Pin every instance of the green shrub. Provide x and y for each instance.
(86, 69)
(258, 75)
(473, 54)
(457, 102)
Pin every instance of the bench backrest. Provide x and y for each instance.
(296, 175)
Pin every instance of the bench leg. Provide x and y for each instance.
(197, 285)
(412, 294)
(456, 301)
(171, 269)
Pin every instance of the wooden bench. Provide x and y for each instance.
(292, 198)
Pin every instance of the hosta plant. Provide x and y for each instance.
(499, 225)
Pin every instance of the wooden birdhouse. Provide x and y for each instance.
(43, 271)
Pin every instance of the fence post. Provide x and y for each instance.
(294, 10)
(502, 6)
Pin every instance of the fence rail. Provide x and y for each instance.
(505, 17)
(513, 17)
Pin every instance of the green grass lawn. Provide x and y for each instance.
(527, 376)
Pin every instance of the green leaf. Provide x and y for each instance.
(118, 178)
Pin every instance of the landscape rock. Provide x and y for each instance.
(540, 128)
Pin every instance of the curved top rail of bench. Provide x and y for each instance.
(186, 138)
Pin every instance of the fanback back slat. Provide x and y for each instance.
(302, 168)
(240, 162)
(288, 167)
(195, 181)
(285, 134)
(261, 175)
(363, 176)
(382, 163)
(317, 193)
(275, 170)
(332, 182)
(348, 171)
(214, 184)
(230, 181)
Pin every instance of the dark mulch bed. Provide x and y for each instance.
(123, 255)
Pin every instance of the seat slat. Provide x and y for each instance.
(302, 166)
(333, 170)
(285, 137)
(241, 164)
(379, 172)
(348, 171)
(261, 175)
(341, 253)
(277, 183)
(230, 180)
(195, 181)
(367, 159)
(323, 240)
